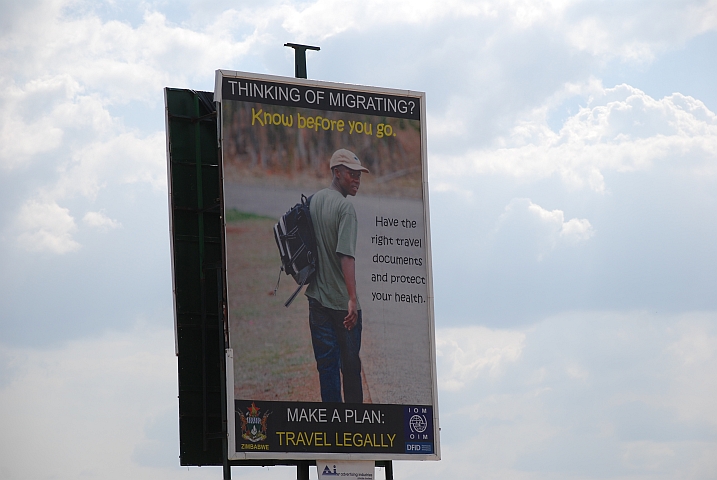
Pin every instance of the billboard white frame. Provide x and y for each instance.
(229, 354)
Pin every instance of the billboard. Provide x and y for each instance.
(348, 369)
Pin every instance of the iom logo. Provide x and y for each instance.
(418, 423)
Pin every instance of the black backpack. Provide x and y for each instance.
(294, 235)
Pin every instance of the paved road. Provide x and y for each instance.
(275, 201)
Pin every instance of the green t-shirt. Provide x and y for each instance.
(335, 227)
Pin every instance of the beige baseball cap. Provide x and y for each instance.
(348, 159)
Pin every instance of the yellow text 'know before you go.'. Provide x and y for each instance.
(316, 123)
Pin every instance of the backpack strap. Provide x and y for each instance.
(293, 295)
(276, 287)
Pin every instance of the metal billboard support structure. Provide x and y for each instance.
(300, 58)
(196, 236)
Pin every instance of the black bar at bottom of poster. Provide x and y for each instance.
(311, 427)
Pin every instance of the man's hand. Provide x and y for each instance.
(348, 268)
(351, 319)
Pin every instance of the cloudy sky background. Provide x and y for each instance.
(573, 170)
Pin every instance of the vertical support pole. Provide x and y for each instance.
(226, 468)
(302, 470)
(200, 192)
(388, 468)
(221, 325)
(200, 232)
(300, 58)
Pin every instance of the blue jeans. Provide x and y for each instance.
(336, 350)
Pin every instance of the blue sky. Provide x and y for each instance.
(573, 171)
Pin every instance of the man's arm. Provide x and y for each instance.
(348, 268)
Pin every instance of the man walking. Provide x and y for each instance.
(334, 309)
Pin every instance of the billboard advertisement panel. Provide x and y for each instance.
(347, 370)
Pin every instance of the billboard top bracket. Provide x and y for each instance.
(300, 58)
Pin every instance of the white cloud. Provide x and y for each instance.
(124, 61)
(694, 353)
(621, 130)
(96, 408)
(468, 352)
(46, 227)
(629, 31)
(124, 158)
(577, 372)
(465, 193)
(646, 455)
(578, 229)
(590, 394)
(537, 229)
(584, 25)
(45, 114)
(318, 19)
(59, 76)
(113, 57)
(69, 69)
(574, 229)
(100, 221)
(90, 398)
(30, 120)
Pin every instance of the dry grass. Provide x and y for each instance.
(273, 358)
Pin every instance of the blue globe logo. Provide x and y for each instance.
(418, 423)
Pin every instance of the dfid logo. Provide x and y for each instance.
(422, 447)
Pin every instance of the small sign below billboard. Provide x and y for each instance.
(347, 371)
(352, 470)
